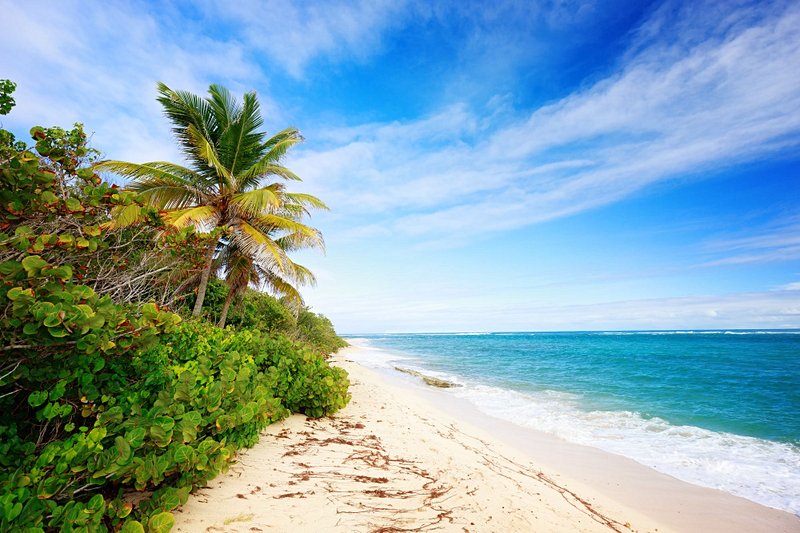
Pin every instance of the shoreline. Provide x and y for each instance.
(405, 457)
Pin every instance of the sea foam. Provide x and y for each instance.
(764, 471)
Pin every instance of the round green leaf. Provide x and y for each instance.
(183, 453)
(132, 526)
(160, 523)
(35, 399)
(96, 504)
(124, 453)
(33, 264)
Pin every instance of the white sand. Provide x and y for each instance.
(402, 458)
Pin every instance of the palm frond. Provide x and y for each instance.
(299, 241)
(270, 224)
(185, 109)
(124, 215)
(293, 211)
(240, 272)
(161, 169)
(270, 153)
(223, 104)
(288, 133)
(160, 184)
(254, 175)
(306, 200)
(283, 288)
(260, 246)
(202, 216)
(256, 202)
(206, 152)
(302, 275)
(240, 145)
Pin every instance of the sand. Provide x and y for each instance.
(407, 457)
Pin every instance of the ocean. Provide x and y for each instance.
(719, 409)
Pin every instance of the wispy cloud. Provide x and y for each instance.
(293, 34)
(100, 66)
(778, 240)
(772, 309)
(692, 95)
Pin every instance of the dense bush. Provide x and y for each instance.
(163, 421)
(317, 330)
(257, 310)
(261, 311)
(303, 379)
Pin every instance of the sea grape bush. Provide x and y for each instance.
(303, 379)
(60, 339)
(168, 419)
(102, 395)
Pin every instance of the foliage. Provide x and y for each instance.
(53, 248)
(243, 271)
(163, 421)
(264, 312)
(101, 393)
(317, 330)
(261, 311)
(229, 159)
(304, 380)
(6, 100)
(53, 205)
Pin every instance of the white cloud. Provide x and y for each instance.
(696, 96)
(293, 34)
(729, 311)
(100, 66)
(777, 241)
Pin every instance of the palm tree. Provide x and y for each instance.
(241, 271)
(228, 159)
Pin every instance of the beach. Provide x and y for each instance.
(406, 456)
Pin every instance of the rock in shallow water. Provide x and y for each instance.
(433, 382)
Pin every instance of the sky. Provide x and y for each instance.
(489, 166)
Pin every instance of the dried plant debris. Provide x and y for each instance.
(372, 490)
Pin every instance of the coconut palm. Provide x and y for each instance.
(229, 160)
(242, 271)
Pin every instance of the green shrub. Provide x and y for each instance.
(263, 312)
(303, 379)
(165, 420)
(317, 330)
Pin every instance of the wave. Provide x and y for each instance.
(764, 471)
(373, 357)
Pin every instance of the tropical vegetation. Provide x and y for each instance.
(115, 403)
(224, 188)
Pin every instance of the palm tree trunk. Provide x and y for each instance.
(201, 289)
(223, 316)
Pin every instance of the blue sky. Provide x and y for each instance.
(554, 165)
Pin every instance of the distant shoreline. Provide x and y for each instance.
(765, 331)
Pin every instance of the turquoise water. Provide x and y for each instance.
(720, 409)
